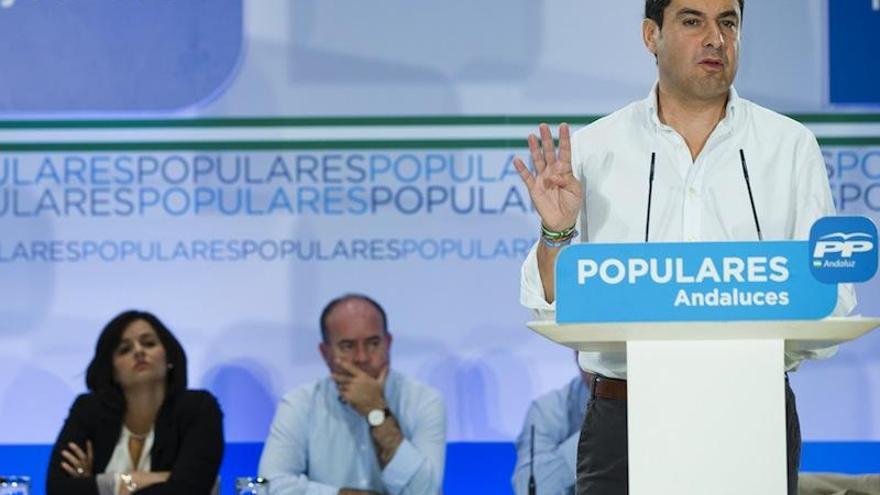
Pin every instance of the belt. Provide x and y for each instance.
(606, 388)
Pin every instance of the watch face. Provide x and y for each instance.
(376, 417)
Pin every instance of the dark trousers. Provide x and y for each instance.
(602, 467)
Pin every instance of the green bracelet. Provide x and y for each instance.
(556, 235)
(558, 243)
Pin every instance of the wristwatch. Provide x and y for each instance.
(377, 417)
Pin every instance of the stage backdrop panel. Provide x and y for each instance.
(316, 148)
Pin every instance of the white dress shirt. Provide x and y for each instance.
(693, 200)
(121, 462)
(318, 444)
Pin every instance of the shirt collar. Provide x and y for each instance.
(651, 104)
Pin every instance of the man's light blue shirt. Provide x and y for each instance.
(557, 417)
(318, 444)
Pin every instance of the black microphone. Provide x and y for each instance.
(532, 489)
(650, 193)
(742, 157)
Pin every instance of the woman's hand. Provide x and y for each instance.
(78, 463)
(143, 479)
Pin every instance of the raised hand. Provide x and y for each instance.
(360, 390)
(555, 191)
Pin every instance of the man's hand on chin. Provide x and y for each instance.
(360, 390)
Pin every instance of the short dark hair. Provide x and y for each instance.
(654, 10)
(347, 297)
(99, 376)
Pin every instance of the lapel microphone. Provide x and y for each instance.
(532, 489)
(742, 158)
(650, 194)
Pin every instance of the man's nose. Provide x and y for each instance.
(360, 354)
(714, 36)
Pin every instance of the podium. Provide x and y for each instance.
(706, 399)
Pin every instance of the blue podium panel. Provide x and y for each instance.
(854, 64)
(707, 281)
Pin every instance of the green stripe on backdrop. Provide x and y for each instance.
(420, 144)
(370, 121)
(267, 145)
(402, 121)
(850, 141)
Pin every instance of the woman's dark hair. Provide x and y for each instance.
(99, 376)
(654, 10)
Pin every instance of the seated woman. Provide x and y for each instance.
(139, 429)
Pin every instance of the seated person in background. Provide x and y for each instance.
(557, 417)
(363, 429)
(139, 429)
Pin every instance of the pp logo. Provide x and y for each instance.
(843, 249)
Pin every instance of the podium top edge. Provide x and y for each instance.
(832, 330)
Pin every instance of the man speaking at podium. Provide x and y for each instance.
(691, 162)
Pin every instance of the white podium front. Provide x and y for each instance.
(706, 400)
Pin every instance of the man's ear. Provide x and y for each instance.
(324, 348)
(650, 35)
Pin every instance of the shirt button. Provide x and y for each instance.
(692, 191)
(363, 447)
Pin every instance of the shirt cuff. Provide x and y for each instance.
(108, 483)
(532, 290)
(846, 300)
(320, 489)
(403, 466)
